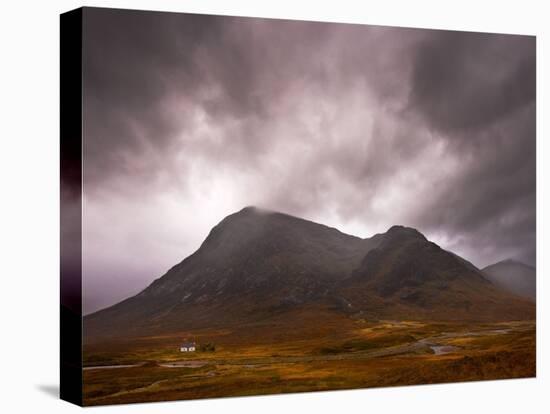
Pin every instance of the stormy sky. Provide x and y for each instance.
(189, 118)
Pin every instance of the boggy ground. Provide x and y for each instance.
(341, 354)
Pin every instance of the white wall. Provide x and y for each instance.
(29, 208)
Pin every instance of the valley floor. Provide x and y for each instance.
(269, 359)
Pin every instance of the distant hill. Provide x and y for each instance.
(258, 266)
(514, 276)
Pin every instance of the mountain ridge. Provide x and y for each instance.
(256, 263)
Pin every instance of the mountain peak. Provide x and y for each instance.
(252, 210)
(246, 216)
(403, 231)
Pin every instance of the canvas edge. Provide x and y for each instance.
(71, 377)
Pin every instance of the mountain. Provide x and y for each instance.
(258, 266)
(409, 275)
(514, 276)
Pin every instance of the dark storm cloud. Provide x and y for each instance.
(492, 203)
(132, 61)
(464, 81)
(478, 92)
(188, 118)
(234, 69)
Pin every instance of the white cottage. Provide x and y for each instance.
(188, 347)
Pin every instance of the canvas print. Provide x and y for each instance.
(273, 206)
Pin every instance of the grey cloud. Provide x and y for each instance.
(464, 80)
(235, 69)
(477, 91)
(495, 195)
